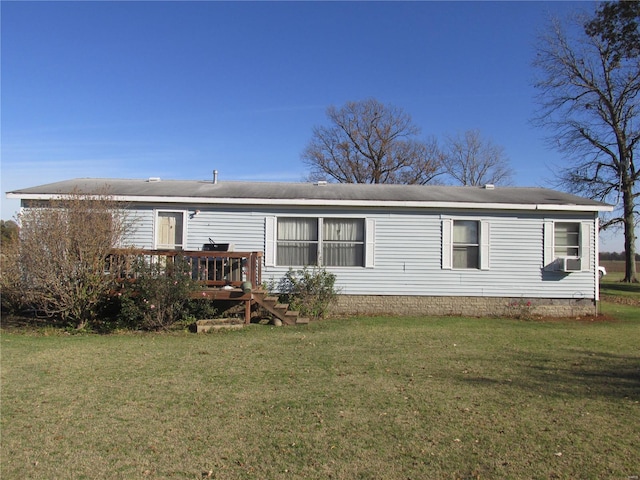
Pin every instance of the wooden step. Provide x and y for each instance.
(280, 310)
(290, 317)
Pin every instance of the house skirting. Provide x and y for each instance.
(463, 306)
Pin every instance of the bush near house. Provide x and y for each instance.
(309, 291)
(160, 297)
(57, 265)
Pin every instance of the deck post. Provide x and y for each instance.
(247, 311)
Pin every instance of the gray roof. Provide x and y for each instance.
(194, 191)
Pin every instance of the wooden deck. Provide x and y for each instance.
(212, 269)
(225, 276)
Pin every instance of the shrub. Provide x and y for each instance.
(521, 309)
(59, 264)
(160, 295)
(309, 291)
(11, 288)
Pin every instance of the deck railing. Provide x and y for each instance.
(214, 269)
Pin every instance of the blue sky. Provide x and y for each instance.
(178, 89)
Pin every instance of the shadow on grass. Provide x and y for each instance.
(27, 321)
(584, 375)
(622, 287)
(31, 322)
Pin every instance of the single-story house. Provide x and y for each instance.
(395, 249)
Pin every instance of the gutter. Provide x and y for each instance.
(330, 203)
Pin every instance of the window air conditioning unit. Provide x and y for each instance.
(568, 264)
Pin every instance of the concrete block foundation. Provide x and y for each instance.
(409, 305)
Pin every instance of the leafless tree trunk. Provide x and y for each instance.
(588, 96)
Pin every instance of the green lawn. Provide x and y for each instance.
(612, 289)
(368, 398)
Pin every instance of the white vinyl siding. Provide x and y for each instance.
(406, 250)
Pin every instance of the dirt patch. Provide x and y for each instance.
(619, 299)
(600, 318)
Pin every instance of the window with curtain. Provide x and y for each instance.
(297, 241)
(466, 244)
(566, 239)
(341, 242)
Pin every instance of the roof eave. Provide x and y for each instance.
(331, 203)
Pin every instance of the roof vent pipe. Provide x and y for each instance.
(215, 177)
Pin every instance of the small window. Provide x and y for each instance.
(566, 239)
(466, 245)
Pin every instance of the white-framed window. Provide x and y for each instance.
(567, 245)
(321, 241)
(170, 229)
(566, 239)
(343, 242)
(465, 244)
(297, 241)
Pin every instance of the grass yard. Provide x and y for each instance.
(613, 290)
(367, 398)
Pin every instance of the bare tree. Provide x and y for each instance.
(589, 87)
(368, 142)
(471, 160)
(62, 251)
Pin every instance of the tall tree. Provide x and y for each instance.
(471, 160)
(617, 24)
(589, 88)
(368, 142)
